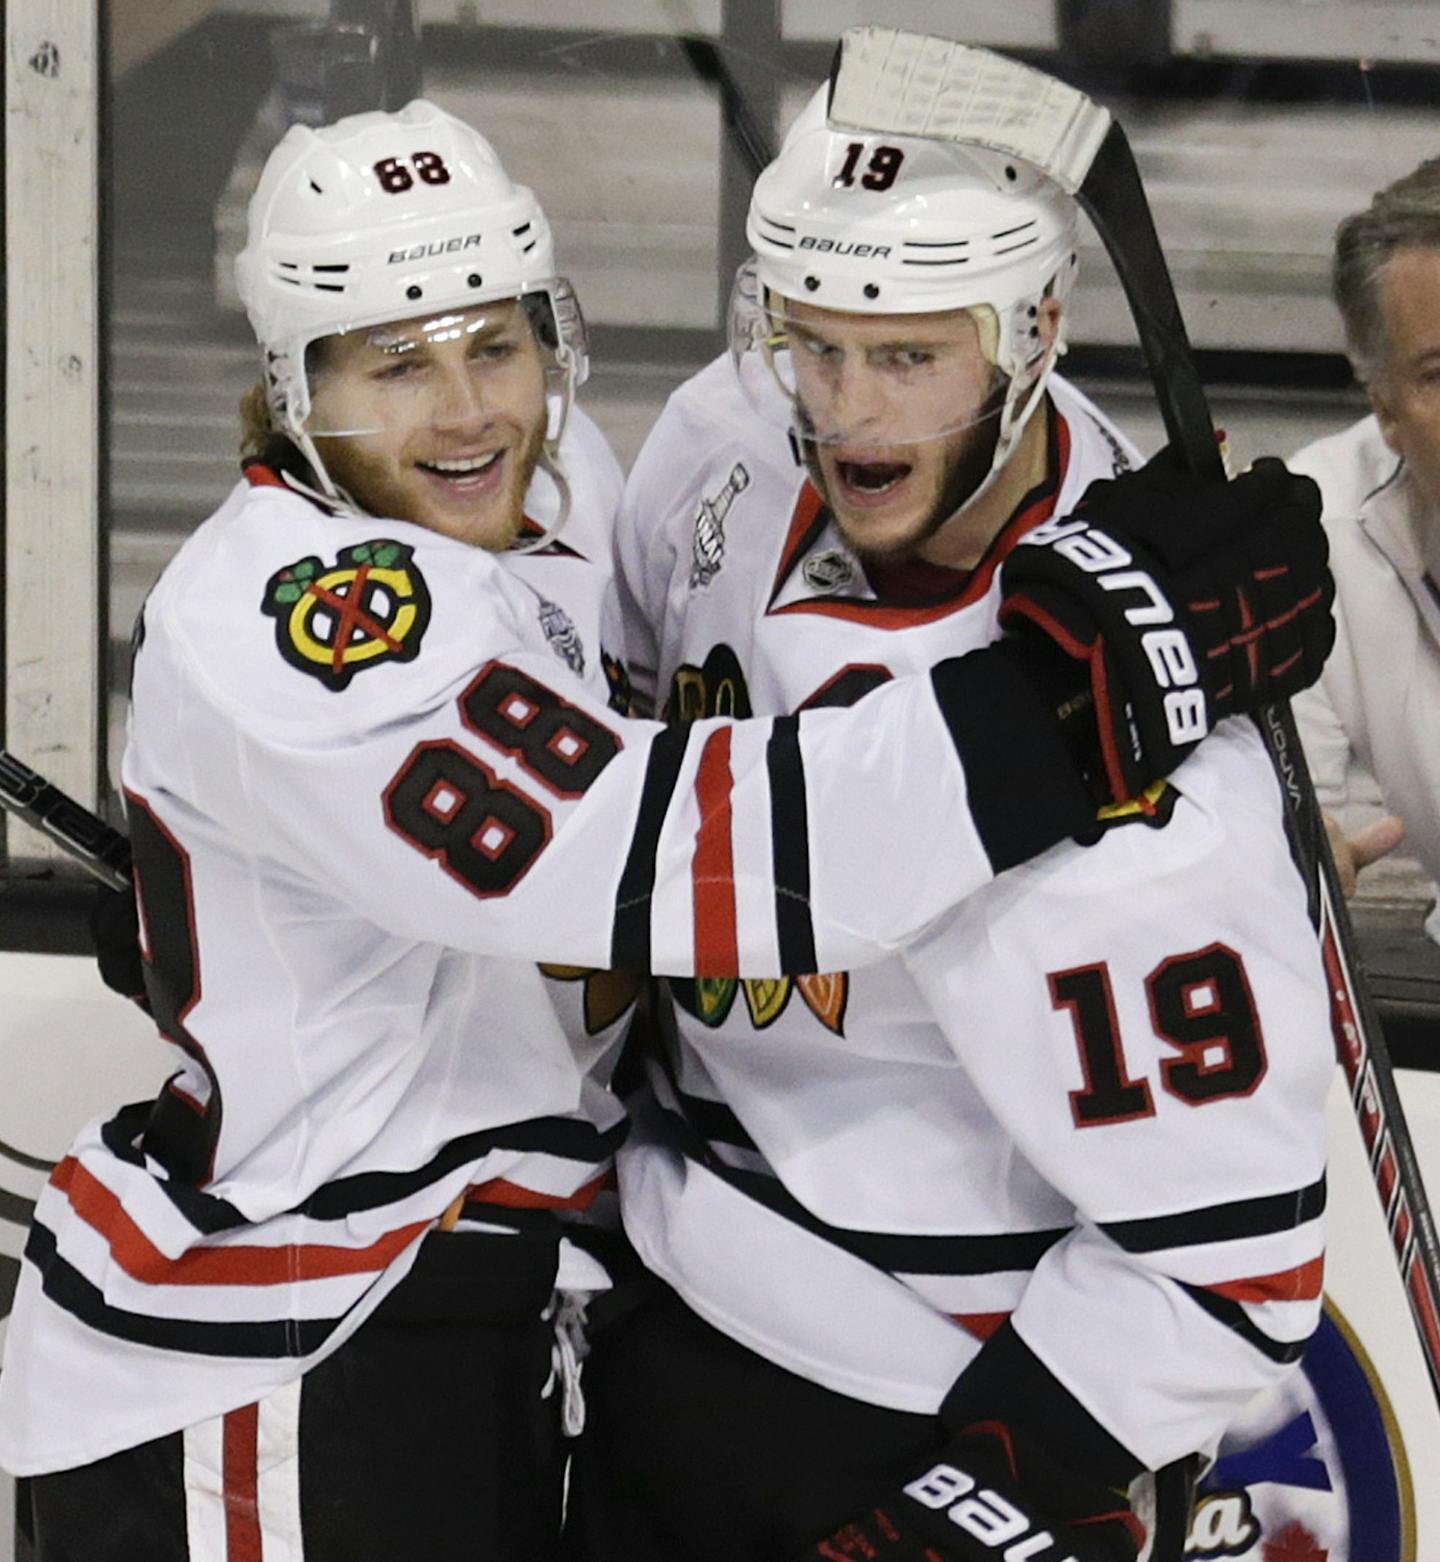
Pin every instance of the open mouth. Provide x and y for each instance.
(872, 479)
(464, 472)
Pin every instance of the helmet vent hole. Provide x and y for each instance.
(811, 283)
(316, 188)
(521, 231)
(414, 291)
(1010, 173)
(474, 279)
(872, 290)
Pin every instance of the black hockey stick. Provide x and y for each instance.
(906, 84)
(98, 848)
(1117, 207)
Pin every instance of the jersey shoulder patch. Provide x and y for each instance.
(334, 621)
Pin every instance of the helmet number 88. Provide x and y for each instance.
(880, 172)
(395, 177)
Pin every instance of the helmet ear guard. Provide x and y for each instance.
(383, 217)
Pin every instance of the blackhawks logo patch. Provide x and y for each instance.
(369, 607)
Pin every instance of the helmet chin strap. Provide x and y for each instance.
(548, 461)
(328, 487)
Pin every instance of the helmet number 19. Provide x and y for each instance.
(395, 177)
(880, 172)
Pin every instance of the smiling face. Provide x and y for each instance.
(903, 410)
(438, 420)
(1406, 396)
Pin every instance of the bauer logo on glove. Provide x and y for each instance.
(1185, 601)
(1142, 604)
(983, 1514)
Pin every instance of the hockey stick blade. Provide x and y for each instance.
(99, 849)
(890, 82)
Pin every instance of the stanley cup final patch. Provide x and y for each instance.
(332, 621)
(708, 547)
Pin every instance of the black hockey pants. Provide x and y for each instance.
(698, 1450)
(433, 1435)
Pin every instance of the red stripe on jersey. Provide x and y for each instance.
(241, 1445)
(802, 524)
(713, 867)
(258, 475)
(510, 1194)
(981, 1325)
(1301, 1284)
(138, 1256)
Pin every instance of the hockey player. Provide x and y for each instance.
(955, 1247)
(303, 1304)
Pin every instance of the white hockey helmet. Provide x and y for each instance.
(393, 216)
(879, 224)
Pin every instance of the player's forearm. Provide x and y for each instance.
(536, 825)
(1163, 1363)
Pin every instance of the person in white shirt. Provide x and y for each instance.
(1378, 700)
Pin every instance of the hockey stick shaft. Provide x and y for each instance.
(908, 84)
(101, 850)
(905, 83)
(1113, 187)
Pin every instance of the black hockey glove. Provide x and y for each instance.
(1186, 601)
(115, 927)
(986, 1495)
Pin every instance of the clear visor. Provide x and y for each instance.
(512, 360)
(865, 381)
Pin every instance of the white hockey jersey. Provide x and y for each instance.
(1089, 1100)
(373, 778)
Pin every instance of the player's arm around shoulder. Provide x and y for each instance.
(408, 725)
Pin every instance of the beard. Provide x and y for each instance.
(967, 469)
(374, 483)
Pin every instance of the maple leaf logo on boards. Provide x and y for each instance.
(1294, 1543)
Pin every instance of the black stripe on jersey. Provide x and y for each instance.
(713, 1120)
(203, 1210)
(887, 1250)
(565, 1137)
(1258, 1217)
(1234, 1316)
(897, 1254)
(630, 937)
(69, 1289)
(790, 836)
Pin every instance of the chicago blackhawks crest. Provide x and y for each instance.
(333, 621)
